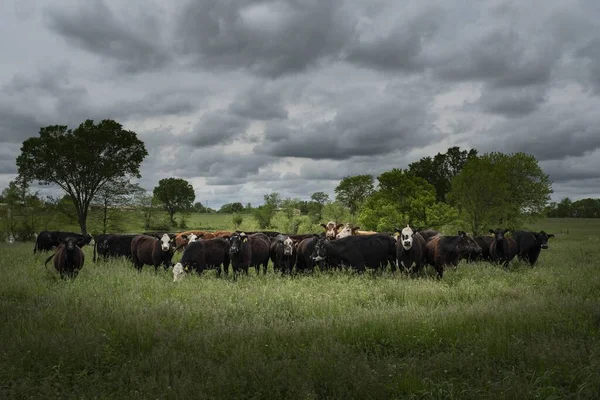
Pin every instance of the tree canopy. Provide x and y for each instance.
(353, 190)
(176, 195)
(81, 161)
(500, 190)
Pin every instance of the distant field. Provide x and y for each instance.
(480, 333)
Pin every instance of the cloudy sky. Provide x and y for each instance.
(247, 97)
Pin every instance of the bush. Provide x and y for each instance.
(237, 220)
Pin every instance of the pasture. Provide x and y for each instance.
(480, 332)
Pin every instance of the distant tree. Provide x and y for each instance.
(353, 190)
(176, 195)
(110, 198)
(319, 199)
(248, 208)
(441, 169)
(21, 210)
(264, 213)
(148, 205)
(81, 161)
(499, 190)
(231, 208)
(237, 220)
(199, 208)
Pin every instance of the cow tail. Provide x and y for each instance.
(95, 245)
(48, 259)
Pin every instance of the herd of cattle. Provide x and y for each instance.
(339, 246)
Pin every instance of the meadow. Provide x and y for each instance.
(481, 332)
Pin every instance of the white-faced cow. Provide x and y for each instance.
(346, 231)
(283, 254)
(410, 249)
(331, 229)
(148, 250)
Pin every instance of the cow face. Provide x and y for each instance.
(165, 242)
(466, 244)
(542, 239)
(236, 241)
(192, 238)
(331, 229)
(499, 234)
(347, 231)
(288, 246)
(70, 243)
(178, 272)
(319, 252)
(406, 237)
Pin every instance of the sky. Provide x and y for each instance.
(244, 98)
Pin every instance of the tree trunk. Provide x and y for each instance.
(83, 221)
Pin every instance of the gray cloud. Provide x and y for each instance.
(266, 38)
(218, 127)
(133, 43)
(511, 102)
(259, 103)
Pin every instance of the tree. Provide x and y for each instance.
(200, 208)
(441, 169)
(21, 211)
(81, 161)
(353, 190)
(264, 213)
(231, 208)
(111, 198)
(319, 199)
(499, 190)
(176, 195)
(148, 205)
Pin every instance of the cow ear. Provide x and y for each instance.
(184, 237)
(355, 228)
(550, 235)
(492, 232)
(324, 226)
(396, 229)
(245, 239)
(506, 231)
(156, 236)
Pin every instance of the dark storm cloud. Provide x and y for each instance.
(259, 103)
(573, 168)
(511, 102)
(270, 39)
(216, 127)
(132, 42)
(8, 156)
(15, 125)
(378, 127)
(552, 134)
(591, 53)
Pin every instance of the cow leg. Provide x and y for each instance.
(439, 268)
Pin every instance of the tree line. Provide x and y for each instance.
(94, 163)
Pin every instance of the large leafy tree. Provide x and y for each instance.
(81, 161)
(442, 168)
(263, 214)
(500, 190)
(353, 190)
(176, 195)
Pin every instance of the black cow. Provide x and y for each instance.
(304, 250)
(530, 244)
(503, 249)
(100, 246)
(410, 249)
(150, 250)
(117, 246)
(68, 258)
(427, 233)
(202, 254)
(448, 250)
(372, 251)
(283, 253)
(484, 242)
(249, 251)
(46, 240)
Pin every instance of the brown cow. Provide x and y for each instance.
(348, 230)
(503, 249)
(362, 233)
(181, 238)
(331, 229)
(223, 234)
(448, 250)
(150, 250)
(68, 258)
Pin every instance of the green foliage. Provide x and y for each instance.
(231, 208)
(81, 161)
(237, 220)
(265, 213)
(352, 191)
(499, 190)
(176, 195)
(336, 211)
(22, 213)
(111, 199)
(584, 208)
(441, 169)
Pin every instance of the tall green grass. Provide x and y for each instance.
(481, 332)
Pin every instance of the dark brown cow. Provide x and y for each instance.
(249, 251)
(203, 254)
(68, 258)
(148, 250)
(448, 250)
(427, 233)
(503, 249)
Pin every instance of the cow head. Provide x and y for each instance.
(166, 242)
(178, 272)
(406, 237)
(235, 242)
(192, 237)
(499, 234)
(542, 239)
(348, 230)
(87, 239)
(319, 252)
(331, 229)
(288, 246)
(70, 243)
(466, 244)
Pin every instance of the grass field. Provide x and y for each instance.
(479, 333)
